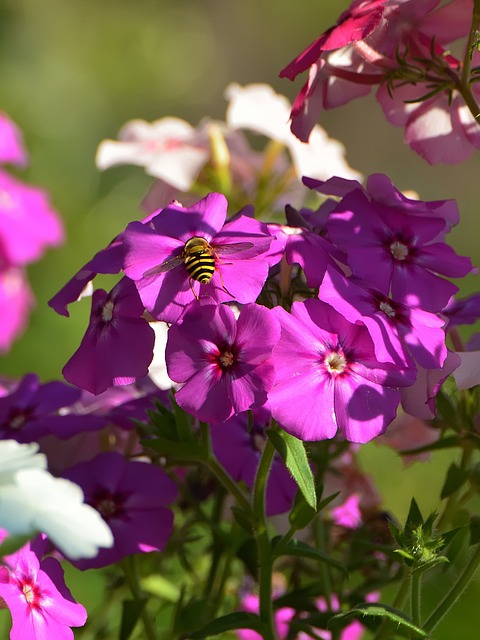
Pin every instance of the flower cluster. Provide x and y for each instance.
(403, 48)
(28, 225)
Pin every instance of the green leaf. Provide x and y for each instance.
(182, 421)
(236, 620)
(294, 455)
(301, 513)
(304, 550)
(414, 518)
(455, 478)
(378, 610)
(131, 611)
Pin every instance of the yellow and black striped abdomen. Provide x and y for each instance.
(200, 266)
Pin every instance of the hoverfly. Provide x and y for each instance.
(199, 258)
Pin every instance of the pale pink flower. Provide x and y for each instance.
(169, 149)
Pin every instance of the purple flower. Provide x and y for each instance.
(156, 253)
(225, 364)
(329, 378)
(239, 450)
(118, 345)
(397, 251)
(39, 601)
(399, 332)
(132, 497)
(32, 410)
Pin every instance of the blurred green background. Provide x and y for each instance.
(72, 72)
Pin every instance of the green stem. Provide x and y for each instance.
(265, 560)
(220, 473)
(464, 82)
(415, 597)
(463, 581)
(229, 484)
(131, 574)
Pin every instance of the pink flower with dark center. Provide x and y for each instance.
(397, 252)
(118, 345)
(328, 377)
(402, 334)
(132, 498)
(232, 265)
(225, 365)
(38, 599)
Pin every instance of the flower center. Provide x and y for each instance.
(335, 362)
(30, 591)
(107, 311)
(226, 359)
(106, 508)
(387, 309)
(399, 250)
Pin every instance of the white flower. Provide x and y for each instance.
(32, 501)
(169, 149)
(258, 108)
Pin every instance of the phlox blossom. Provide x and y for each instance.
(170, 149)
(165, 290)
(16, 302)
(40, 603)
(328, 377)
(130, 496)
(118, 345)
(225, 364)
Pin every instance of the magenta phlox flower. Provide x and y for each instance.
(404, 335)
(356, 23)
(314, 253)
(16, 302)
(132, 497)
(118, 344)
(397, 252)
(380, 189)
(225, 364)
(348, 514)
(328, 377)
(32, 410)
(28, 223)
(12, 149)
(165, 290)
(419, 399)
(239, 451)
(40, 603)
